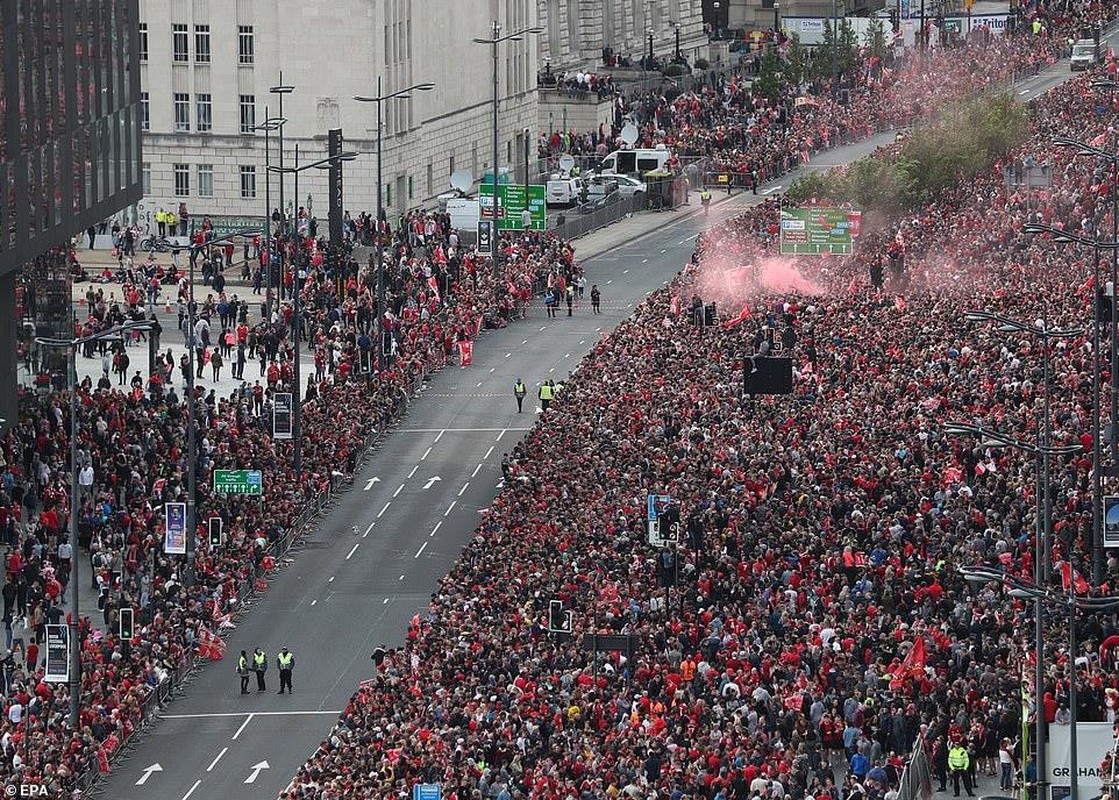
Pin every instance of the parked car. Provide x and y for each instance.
(601, 185)
(628, 187)
(564, 191)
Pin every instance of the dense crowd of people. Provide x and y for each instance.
(131, 457)
(811, 627)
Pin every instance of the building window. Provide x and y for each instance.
(411, 188)
(248, 182)
(245, 44)
(143, 41)
(205, 180)
(179, 42)
(388, 195)
(205, 113)
(248, 113)
(451, 164)
(182, 180)
(202, 44)
(145, 112)
(182, 112)
(146, 178)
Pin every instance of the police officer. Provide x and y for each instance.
(260, 666)
(519, 392)
(547, 394)
(285, 662)
(570, 297)
(243, 671)
(705, 200)
(596, 298)
(959, 764)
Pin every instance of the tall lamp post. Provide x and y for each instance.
(993, 438)
(1070, 603)
(495, 39)
(270, 124)
(380, 99)
(296, 321)
(281, 89)
(72, 346)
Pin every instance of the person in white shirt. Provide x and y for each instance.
(1006, 766)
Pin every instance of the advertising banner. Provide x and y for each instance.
(174, 528)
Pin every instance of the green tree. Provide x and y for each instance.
(795, 68)
(822, 65)
(769, 83)
(848, 48)
(875, 38)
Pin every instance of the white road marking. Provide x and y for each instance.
(493, 369)
(581, 341)
(452, 505)
(553, 369)
(244, 725)
(420, 551)
(498, 439)
(385, 602)
(507, 356)
(353, 550)
(567, 355)
(625, 272)
(478, 385)
(524, 341)
(438, 525)
(458, 430)
(371, 524)
(400, 578)
(440, 436)
(427, 452)
(383, 510)
(330, 579)
(609, 282)
(413, 472)
(399, 489)
(217, 758)
(487, 455)
(197, 783)
(463, 489)
(542, 327)
(646, 261)
(314, 601)
(220, 714)
(476, 470)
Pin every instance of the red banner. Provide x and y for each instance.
(466, 352)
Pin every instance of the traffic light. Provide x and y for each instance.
(214, 531)
(126, 621)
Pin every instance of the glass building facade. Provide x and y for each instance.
(70, 120)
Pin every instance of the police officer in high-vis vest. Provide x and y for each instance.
(547, 394)
(959, 764)
(285, 662)
(260, 666)
(519, 392)
(243, 671)
(705, 200)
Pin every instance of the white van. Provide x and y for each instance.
(563, 191)
(635, 162)
(464, 213)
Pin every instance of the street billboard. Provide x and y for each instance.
(511, 202)
(813, 231)
(58, 654)
(1094, 741)
(174, 528)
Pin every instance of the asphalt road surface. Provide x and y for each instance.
(415, 504)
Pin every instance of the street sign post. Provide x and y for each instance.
(281, 415)
(511, 203)
(485, 237)
(58, 654)
(238, 481)
(813, 231)
(426, 791)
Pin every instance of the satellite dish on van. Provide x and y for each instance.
(629, 134)
(566, 162)
(462, 180)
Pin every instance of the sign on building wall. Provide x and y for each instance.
(335, 188)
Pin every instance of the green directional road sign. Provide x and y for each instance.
(511, 203)
(812, 231)
(238, 481)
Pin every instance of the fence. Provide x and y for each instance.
(588, 217)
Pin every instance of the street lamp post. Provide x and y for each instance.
(270, 124)
(1065, 237)
(379, 99)
(776, 18)
(281, 89)
(1071, 603)
(296, 417)
(494, 41)
(997, 439)
(74, 626)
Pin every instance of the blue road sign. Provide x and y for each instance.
(426, 791)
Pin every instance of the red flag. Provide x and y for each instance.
(1069, 574)
(743, 315)
(674, 306)
(1087, 286)
(210, 645)
(913, 665)
(466, 352)
(434, 288)
(852, 287)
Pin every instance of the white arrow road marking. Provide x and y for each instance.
(217, 758)
(500, 483)
(369, 483)
(431, 481)
(148, 773)
(256, 771)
